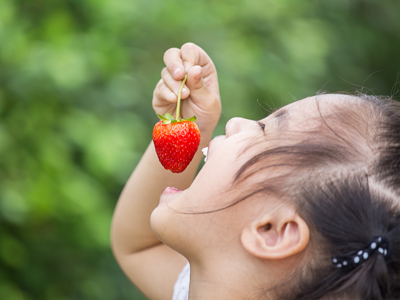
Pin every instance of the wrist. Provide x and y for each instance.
(206, 137)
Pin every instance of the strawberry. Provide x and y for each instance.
(176, 140)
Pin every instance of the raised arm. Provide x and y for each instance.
(152, 266)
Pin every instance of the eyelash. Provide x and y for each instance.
(262, 125)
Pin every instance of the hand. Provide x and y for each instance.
(200, 94)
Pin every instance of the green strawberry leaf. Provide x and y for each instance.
(161, 117)
(168, 119)
(168, 116)
(193, 119)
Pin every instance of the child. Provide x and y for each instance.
(303, 204)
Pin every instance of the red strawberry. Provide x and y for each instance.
(176, 142)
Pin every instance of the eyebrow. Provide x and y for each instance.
(281, 116)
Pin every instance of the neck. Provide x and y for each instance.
(201, 288)
(221, 278)
(220, 282)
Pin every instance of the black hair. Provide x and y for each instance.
(343, 216)
(348, 192)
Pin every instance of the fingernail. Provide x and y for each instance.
(176, 72)
(171, 96)
(184, 90)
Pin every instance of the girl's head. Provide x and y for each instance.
(280, 197)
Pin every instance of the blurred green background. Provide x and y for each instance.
(76, 82)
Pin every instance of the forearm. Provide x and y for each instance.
(131, 231)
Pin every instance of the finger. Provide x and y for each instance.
(174, 64)
(193, 55)
(162, 93)
(197, 86)
(174, 85)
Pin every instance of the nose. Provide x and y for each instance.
(237, 125)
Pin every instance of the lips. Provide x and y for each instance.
(171, 190)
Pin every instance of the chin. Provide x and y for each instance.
(171, 228)
(159, 221)
(163, 223)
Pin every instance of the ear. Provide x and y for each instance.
(278, 235)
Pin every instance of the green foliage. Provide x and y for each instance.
(76, 81)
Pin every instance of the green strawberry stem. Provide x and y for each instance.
(178, 107)
(168, 118)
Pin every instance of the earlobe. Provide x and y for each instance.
(278, 236)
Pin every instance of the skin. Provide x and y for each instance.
(235, 252)
(145, 260)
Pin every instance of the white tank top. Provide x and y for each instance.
(181, 287)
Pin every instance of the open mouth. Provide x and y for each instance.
(205, 152)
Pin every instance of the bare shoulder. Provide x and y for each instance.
(154, 271)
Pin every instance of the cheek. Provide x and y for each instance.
(219, 169)
(214, 184)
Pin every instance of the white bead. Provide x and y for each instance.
(373, 245)
(380, 250)
(356, 259)
(345, 263)
(334, 260)
(365, 255)
(339, 265)
(359, 252)
(385, 252)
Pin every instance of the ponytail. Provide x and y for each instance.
(344, 216)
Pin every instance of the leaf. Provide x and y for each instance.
(168, 116)
(162, 117)
(193, 119)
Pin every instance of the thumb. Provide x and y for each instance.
(195, 82)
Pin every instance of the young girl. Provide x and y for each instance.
(303, 204)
